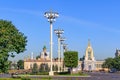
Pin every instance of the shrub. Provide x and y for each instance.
(80, 73)
(61, 73)
(43, 73)
(40, 73)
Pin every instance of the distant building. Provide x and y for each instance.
(117, 53)
(44, 59)
(88, 64)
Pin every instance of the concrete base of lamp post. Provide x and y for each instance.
(51, 73)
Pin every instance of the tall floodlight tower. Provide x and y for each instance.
(51, 18)
(62, 39)
(59, 32)
(64, 47)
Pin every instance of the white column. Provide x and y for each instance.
(60, 58)
(58, 54)
(51, 49)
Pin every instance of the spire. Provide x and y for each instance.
(32, 56)
(88, 42)
(44, 47)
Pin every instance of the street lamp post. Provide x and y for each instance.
(64, 50)
(62, 39)
(65, 47)
(59, 32)
(51, 18)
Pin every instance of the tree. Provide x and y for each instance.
(11, 41)
(71, 59)
(112, 63)
(44, 67)
(37, 57)
(55, 68)
(20, 64)
(47, 68)
(116, 63)
(108, 63)
(35, 68)
(83, 58)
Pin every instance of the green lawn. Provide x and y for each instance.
(9, 79)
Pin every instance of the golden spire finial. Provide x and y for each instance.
(88, 42)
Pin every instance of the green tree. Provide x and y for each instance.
(37, 57)
(116, 63)
(55, 68)
(112, 63)
(71, 59)
(47, 68)
(109, 63)
(11, 41)
(20, 64)
(44, 67)
(35, 68)
(83, 58)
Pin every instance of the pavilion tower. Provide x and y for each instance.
(44, 54)
(89, 62)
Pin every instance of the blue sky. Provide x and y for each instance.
(97, 20)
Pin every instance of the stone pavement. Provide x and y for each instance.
(93, 76)
(5, 75)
